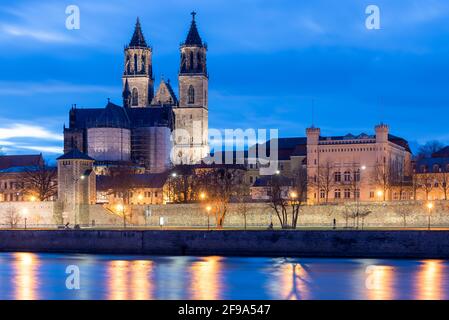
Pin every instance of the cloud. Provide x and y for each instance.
(38, 35)
(53, 87)
(19, 138)
(28, 131)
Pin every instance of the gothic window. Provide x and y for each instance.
(191, 60)
(135, 97)
(128, 65)
(198, 60)
(135, 63)
(191, 95)
(143, 64)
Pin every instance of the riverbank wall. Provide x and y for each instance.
(411, 214)
(347, 244)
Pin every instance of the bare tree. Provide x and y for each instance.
(426, 150)
(40, 181)
(324, 180)
(383, 178)
(222, 184)
(404, 211)
(12, 217)
(278, 193)
(242, 197)
(298, 193)
(184, 184)
(443, 182)
(288, 195)
(426, 183)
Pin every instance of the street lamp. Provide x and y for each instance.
(208, 209)
(25, 216)
(202, 196)
(278, 172)
(429, 207)
(379, 194)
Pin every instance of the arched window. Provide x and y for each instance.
(135, 63)
(191, 60)
(135, 98)
(143, 64)
(347, 176)
(128, 65)
(191, 95)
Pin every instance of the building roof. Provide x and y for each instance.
(118, 117)
(264, 181)
(75, 154)
(442, 153)
(138, 40)
(428, 164)
(11, 161)
(193, 37)
(165, 94)
(151, 181)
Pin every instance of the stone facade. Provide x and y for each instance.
(76, 186)
(355, 167)
(392, 214)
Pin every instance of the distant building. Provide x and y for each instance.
(431, 176)
(365, 167)
(76, 186)
(13, 169)
(137, 189)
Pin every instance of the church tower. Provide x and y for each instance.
(138, 81)
(191, 134)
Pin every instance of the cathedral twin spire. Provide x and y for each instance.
(138, 81)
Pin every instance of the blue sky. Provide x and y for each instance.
(268, 61)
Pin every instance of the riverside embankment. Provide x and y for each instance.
(355, 244)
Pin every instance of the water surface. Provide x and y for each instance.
(43, 276)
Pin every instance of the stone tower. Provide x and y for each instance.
(313, 162)
(138, 81)
(76, 186)
(190, 136)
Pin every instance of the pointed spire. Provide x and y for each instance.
(138, 40)
(193, 37)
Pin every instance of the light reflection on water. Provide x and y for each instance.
(28, 276)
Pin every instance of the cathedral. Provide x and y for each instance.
(153, 129)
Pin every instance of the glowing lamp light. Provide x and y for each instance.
(202, 196)
(293, 195)
(174, 174)
(25, 212)
(33, 198)
(380, 193)
(430, 205)
(363, 167)
(140, 197)
(278, 172)
(208, 209)
(120, 207)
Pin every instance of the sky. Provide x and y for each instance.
(281, 64)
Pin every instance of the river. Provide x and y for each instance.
(79, 276)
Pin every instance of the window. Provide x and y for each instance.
(347, 193)
(357, 175)
(135, 97)
(357, 194)
(371, 194)
(337, 194)
(347, 176)
(337, 176)
(191, 95)
(322, 194)
(135, 63)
